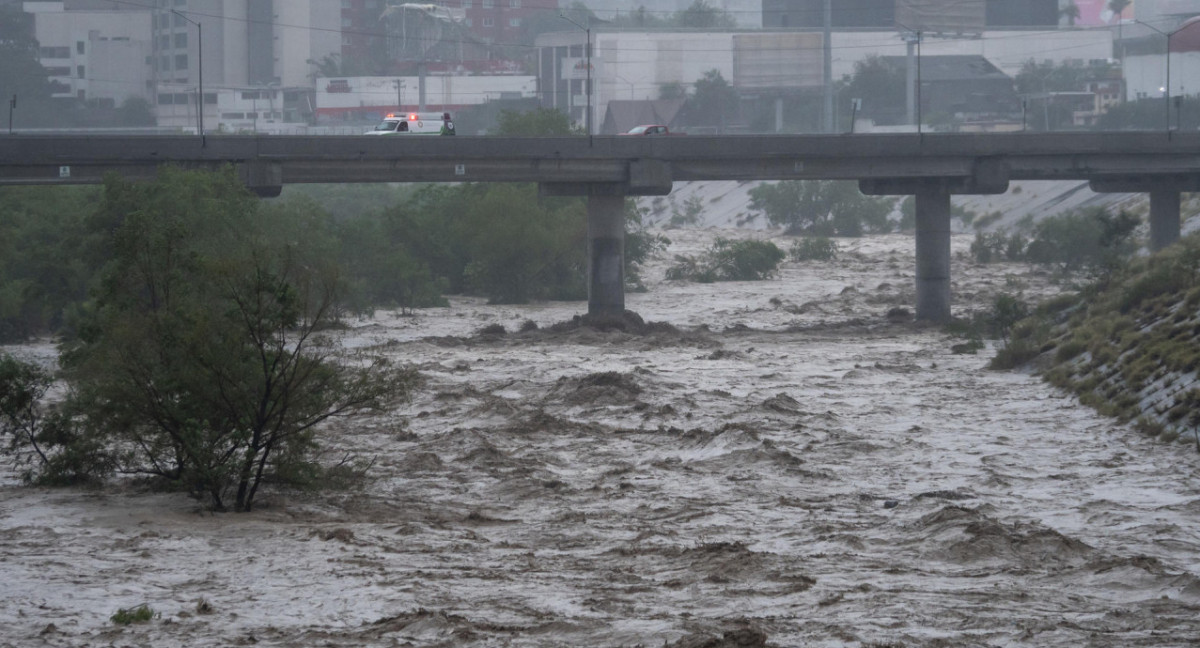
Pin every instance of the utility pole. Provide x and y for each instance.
(588, 55)
(12, 105)
(828, 66)
(200, 69)
(400, 95)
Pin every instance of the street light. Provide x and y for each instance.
(588, 54)
(200, 59)
(1166, 88)
(909, 39)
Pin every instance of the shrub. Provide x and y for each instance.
(729, 260)
(1006, 311)
(813, 248)
(141, 614)
(1089, 240)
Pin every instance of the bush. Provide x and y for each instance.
(810, 248)
(821, 207)
(141, 614)
(996, 246)
(729, 260)
(1088, 240)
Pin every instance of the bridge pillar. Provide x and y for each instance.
(933, 253)
(606, 252)
(1164, 218)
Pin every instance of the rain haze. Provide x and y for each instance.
(819, 455)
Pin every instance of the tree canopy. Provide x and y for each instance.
(201, 361)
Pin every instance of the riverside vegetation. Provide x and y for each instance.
(1127, 341)
(191, 316)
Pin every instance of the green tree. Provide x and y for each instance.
(821, 207)
(540, 121)
(135, 111)
(45, 266)
(672, 90)
(701, 15)
(1070, 11)
(520, 249)
(714, 102)
(882, 87)
(21, 73)
(201, 358)
(1091, 240)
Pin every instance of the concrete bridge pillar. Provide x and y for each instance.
(933, 253)
(606, 253)
(1164, 218)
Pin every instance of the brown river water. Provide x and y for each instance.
(773, 464)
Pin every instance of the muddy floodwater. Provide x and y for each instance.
(764, 464)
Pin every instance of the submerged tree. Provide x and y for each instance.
(821, 207)
(201, 360)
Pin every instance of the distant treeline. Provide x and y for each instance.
(395, 247)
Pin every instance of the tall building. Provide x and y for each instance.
(247, 47)
(93, 52)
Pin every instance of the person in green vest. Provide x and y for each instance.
(447, 125)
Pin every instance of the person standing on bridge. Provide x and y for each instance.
(447, 125)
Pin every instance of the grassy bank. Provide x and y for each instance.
(1129, 346)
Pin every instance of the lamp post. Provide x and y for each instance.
(200, 70)
(1167, 84)
(588, 54)
(914, 36)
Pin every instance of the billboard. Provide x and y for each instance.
(778, 60)
(941, 16)
(1094, 13)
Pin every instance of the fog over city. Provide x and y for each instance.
(739, 66)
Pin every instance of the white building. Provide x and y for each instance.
(260, 44)
(1146, 67)
(636, 65)
(95, 55)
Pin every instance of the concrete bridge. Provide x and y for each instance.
(606, 169)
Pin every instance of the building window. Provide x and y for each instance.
(181, 40)
(79, 47)
(514, 22)
(58, 71)
(80, 72)
(468, 21)
(488, 4)
(515, 4)
(54, 52)
(488, 22)
(467, 4)
(181, 61)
